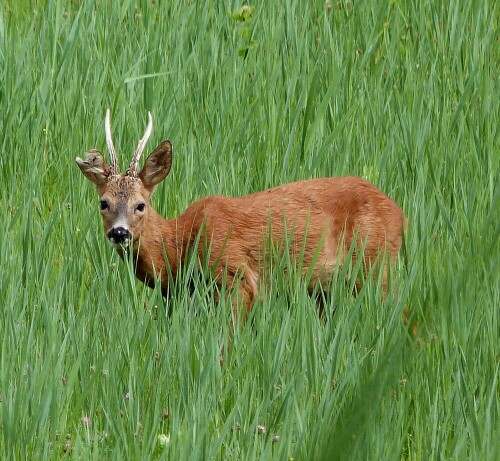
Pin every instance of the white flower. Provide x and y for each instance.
(164, 439)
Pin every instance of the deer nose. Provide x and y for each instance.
(119, 234)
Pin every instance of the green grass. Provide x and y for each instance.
(405, 94)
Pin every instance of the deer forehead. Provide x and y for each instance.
(124, 188)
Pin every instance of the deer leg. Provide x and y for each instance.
(242, 287)
(243, 291)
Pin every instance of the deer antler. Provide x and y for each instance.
(109, 142)
(132, 169)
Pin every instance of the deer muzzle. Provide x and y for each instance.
(119, 236)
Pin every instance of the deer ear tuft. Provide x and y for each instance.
(157, 166)
(94, 167)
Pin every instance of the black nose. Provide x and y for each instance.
(118, 234)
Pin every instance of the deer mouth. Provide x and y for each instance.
(121, 244)
(119, 237)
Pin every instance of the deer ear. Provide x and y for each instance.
(157, 166)
(94, 167)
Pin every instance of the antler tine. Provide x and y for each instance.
(109, 143)
(132, 169)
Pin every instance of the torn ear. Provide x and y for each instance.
(157, 166)
(94, 168)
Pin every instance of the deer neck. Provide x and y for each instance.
(156, 250)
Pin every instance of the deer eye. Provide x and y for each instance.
(104, 205)
(141, 207)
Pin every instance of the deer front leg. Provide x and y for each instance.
(241, 287)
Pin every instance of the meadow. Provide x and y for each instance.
(93, 365)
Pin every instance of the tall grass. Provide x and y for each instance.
(406, 94)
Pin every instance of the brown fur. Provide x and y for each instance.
(324, 215)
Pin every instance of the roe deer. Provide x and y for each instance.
(318, 218)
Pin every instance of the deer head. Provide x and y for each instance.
(124, 198)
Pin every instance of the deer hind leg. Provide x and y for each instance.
(374, 264)
(384, 266)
